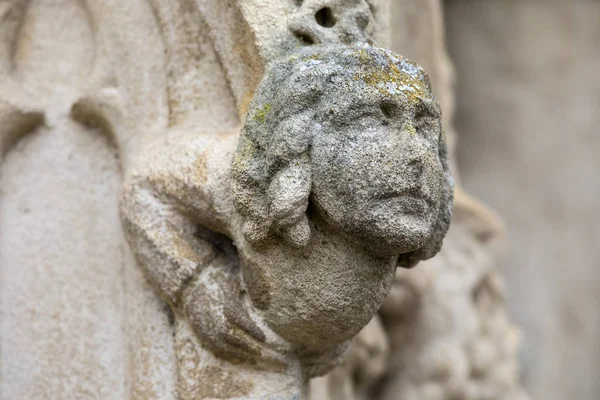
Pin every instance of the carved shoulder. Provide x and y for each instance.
(179, 184)
(190, 172)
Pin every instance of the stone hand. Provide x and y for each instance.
(214, 306)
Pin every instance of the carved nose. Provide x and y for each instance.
(414, 167)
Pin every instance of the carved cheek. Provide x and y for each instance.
(258, 283)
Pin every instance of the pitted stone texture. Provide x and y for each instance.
(331, 21)
(449, 335)
(365, 109)
(250, 34)
(353, 135)
(148, 71)
(417, 31)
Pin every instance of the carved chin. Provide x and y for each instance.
(397, 235)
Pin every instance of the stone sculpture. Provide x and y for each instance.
(94, 93)
(279, 251)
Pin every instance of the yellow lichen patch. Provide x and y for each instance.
(261, 115)
(363, 57)
(389, 79)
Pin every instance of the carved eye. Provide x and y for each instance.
(389, 111)
(421, 125)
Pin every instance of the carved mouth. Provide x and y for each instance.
(408, 202)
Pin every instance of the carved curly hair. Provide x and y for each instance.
(271, 173)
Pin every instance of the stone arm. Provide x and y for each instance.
(178, 218)
(166, 201)
(162, 239)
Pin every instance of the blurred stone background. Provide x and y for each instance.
(528, 102)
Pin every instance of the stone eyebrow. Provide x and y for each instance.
(357, 104)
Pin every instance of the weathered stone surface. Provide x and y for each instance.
(257, 32)
(61, 327)
(90, 88)
(339, 176)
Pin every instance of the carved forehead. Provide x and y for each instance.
(356, 70)
(318, 77)
(388, 75)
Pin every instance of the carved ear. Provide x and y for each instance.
(433, 246)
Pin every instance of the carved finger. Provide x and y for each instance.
(233, 309)
(237, 315)
(223, 338)
(229, 347)
(240, 347)
(240, 340)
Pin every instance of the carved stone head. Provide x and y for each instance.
(354, 135)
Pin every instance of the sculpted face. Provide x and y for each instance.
(376, 170)
(355, 132)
